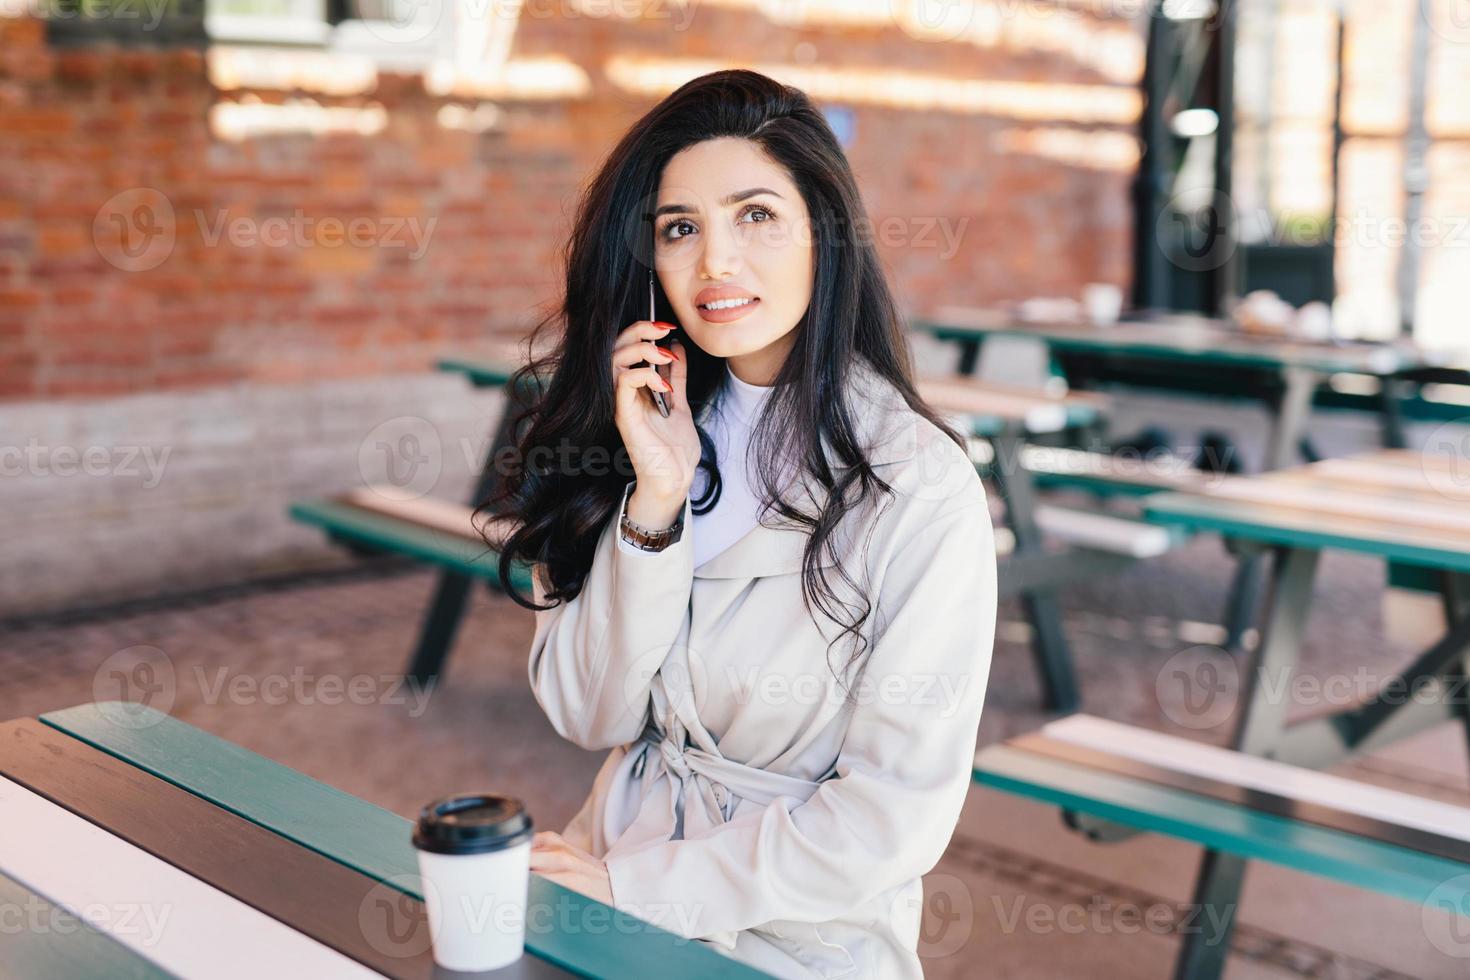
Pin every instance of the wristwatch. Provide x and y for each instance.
(642, 538)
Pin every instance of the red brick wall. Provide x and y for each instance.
(80, 126)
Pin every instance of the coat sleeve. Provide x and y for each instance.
(593, 658)
(902, 772)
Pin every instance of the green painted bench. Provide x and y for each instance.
(1260, 809)
(434, 531)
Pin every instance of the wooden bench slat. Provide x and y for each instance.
(379, 530)
(1350, 799)
(1371, 864)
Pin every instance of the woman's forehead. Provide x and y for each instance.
(709, 171)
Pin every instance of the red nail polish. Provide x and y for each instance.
(668, 352)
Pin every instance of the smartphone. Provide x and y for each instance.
(659, 398)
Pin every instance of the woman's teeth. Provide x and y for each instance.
(725, 304)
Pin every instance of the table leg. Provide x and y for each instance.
(969, 355)
(1289, 411)
(1390, 414)
(1048, 642)
(1397, 711)
(1258, 728)
(1457, 613)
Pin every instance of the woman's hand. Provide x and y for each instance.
(664, 451)
(552, 857)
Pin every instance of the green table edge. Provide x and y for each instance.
(1198, 513)
(1162, 352)
(378, 531)
(79, 952)
(368, 838)
(482, 374)
(1392, 870)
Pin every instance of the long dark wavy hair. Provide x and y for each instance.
(566, 395)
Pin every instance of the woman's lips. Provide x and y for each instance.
(727, 315)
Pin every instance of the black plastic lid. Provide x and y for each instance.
(473, 823)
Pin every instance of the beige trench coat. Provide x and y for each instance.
(745, 802)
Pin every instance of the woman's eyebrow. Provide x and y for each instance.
(734, 198)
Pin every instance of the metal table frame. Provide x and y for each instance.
(1284, 387)
(1261, 727)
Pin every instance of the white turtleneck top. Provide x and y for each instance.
(729, 424)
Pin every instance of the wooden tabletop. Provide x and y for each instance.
(264, 871)
(1184, 338)
(1397, 504)
(988, 409)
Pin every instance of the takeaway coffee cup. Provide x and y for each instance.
(475, 859)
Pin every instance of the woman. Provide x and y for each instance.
(781, 625)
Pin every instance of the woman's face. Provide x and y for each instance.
(714, 239)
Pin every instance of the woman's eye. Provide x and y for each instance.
(685, 227)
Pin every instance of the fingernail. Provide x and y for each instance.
(666, 326)
(668, 352)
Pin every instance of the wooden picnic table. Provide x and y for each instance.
(1204, 357)
(1397, 505)
(1207, 357)
(244, 868)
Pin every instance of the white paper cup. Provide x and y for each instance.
(475, 859)
(1103, 302)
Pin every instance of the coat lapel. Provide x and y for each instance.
(887, 429)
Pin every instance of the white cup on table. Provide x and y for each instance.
(1103, 302)
(475, 860)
